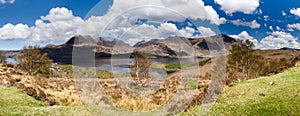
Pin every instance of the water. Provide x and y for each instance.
(11, 61)
(121, 65)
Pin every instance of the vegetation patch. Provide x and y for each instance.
(193, 85)
(260, 97)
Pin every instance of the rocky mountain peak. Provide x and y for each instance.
(80, 40)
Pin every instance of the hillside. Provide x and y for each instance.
(274, 95)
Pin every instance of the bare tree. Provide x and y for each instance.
(140, 70)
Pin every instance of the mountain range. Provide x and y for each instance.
(171, 47)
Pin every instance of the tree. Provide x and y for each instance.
(2, 57)
(140, 70)
(33, 62)
(243, 59)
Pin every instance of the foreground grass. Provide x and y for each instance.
(267, 96)
(274, 95)
(15, 102)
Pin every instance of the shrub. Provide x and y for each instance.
(193, 85)
(2, 57)
(106, 75)
(33, 62)
(173, 66)
(201, 63)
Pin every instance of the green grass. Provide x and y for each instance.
(17, 103)
(183, 66)
(277, 95)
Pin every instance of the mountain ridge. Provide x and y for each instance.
(171, 47)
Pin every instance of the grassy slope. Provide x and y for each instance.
(274, 95)
(15, 102)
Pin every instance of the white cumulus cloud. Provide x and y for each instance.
(152, 10)
(10, 31)
(58, 25)
(120, 21)
(279, 39)
(294, 26)
(245, 36)
(147, 32)
(295, 11)
(7, 1)
(204, 31)
(253, 24)
(232, 6)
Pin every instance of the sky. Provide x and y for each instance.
(270, 24)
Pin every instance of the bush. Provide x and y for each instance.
(2, 57)
(193, 85)
(33, 62)
(106, 75)
(201, 63)
(173, 66)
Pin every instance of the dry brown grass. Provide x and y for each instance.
(52, 91)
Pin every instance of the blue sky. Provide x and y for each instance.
(269, 24)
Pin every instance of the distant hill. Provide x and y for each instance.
(185, 47)
(11, 53)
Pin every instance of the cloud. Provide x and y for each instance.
(206, 31)
(277, 40)
(253, 24)
(266, 18)
(187, 32)
(294, 26)
(58, 25)
(274, 40)
(271, 28)
(245, 36)
(9, 31)
(141, 32)
(152, 10)
(158, 11)
(244, 6)
(283, 13)
(290, 30)
(7, 1)
(295, 11)
(278, 28)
